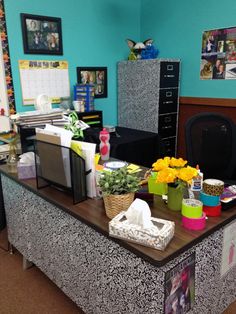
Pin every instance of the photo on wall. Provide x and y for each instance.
(96, 76)
(41, 34)
(180, 287)
(218, 55)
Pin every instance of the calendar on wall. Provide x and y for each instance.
(44, 77)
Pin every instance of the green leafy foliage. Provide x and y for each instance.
(72, 126)
(118, 182)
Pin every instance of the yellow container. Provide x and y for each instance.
(155, 187)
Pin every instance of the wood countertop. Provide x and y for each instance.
(92, 213)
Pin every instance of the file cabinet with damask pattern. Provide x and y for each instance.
(148, 98)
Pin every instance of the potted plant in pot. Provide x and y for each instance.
(118, 188)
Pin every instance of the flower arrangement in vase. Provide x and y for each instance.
(177, 174)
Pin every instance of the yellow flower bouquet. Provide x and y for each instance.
(177, 174)
(174, 170)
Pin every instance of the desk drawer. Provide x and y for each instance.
(167, 125)
(168, 147)
(169, 74)
(168, 100)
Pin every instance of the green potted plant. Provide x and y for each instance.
(73, 126)
(118, 188)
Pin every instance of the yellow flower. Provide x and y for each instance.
(186, 174)
(177, 162)
(161, 164)
(167, 175)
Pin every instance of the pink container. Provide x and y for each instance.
(194, 223)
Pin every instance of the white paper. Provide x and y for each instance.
(88, 151)
(228, 260)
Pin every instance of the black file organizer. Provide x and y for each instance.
(61, 167)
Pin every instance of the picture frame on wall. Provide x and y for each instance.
(96, 76)
(41, 34)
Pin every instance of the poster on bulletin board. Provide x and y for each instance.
(50, 78)
(218, 58)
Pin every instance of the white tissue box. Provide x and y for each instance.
(26, 171)
(156, 237)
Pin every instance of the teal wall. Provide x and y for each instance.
(94, 33)
(177, 26)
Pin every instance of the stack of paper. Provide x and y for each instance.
(36, 117)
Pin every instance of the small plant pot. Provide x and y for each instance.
(114, 204)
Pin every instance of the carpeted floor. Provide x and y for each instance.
(31, 292)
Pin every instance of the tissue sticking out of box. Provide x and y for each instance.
(26, 166)
(136, 225)
(27, 158)
(139, 213)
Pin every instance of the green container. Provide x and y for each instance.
(175, 197)
(155, 187)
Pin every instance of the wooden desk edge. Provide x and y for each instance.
(127, 245)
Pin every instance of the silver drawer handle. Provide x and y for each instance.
(168, 102)
(167, 127)
(169, 76)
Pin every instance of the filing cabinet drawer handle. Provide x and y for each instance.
(168, 94)
(168, 102)
(167, 119)
(167, 127)
(169, 76)
(170, 67)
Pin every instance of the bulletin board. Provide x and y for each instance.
(218, 58)
(44, 77)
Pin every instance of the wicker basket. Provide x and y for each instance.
(114, 204)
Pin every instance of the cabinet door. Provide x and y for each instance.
(169, 74)
(168, 100)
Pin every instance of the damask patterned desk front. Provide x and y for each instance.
(97, 273)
